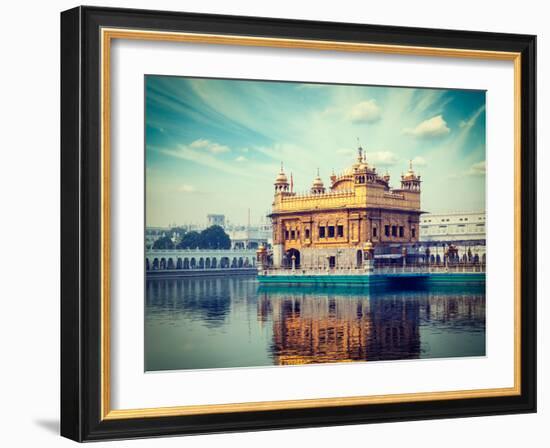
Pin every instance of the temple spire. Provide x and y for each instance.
(361, 153)
(281, 182)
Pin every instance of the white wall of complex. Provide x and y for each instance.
(453, 226)
(30, 203)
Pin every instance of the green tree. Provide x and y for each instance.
(214, 237)
(191, 240)
(178, 232)
(163, 242)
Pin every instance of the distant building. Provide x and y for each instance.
(456, 226)
(249, 237)
(154, 233)
(242, 237)
(216, 220)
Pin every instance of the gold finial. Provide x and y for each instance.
(281, 166)
(317, 172)
(410, 165)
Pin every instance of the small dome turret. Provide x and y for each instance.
(409, 180)
(410, 175)
(281, 182)
(318, 186)
(360, 160)
(281, 178)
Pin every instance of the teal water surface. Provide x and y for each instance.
(233, 321)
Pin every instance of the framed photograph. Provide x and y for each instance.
(274, 223)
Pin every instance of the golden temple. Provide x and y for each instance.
(338, 226)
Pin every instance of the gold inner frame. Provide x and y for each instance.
(107, 35)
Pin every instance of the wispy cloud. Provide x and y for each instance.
(207, 145)
(432, 128)
(365, 112)
(200, 157)
(477, 169)
(241, 159)
(346, 151)
(471, 121)
(186, 188)
(430, 100)
(382, 158)
(374, 158)
(419, 161)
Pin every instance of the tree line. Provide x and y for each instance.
(213, 237)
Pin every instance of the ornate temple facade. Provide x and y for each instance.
(340, 225)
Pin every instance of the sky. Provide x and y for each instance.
(216, 145)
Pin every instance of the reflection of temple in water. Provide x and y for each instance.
(223, 321)
(332, 328)
(340, 327)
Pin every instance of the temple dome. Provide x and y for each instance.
(318, 186)
(281, 177)
(318, 182)
(410, 174)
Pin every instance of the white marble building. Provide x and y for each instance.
(456, 226)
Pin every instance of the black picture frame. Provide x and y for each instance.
(81, 224)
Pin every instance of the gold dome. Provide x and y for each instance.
(281, 177)
(318, 182)
(368, 246)
(410, 174)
